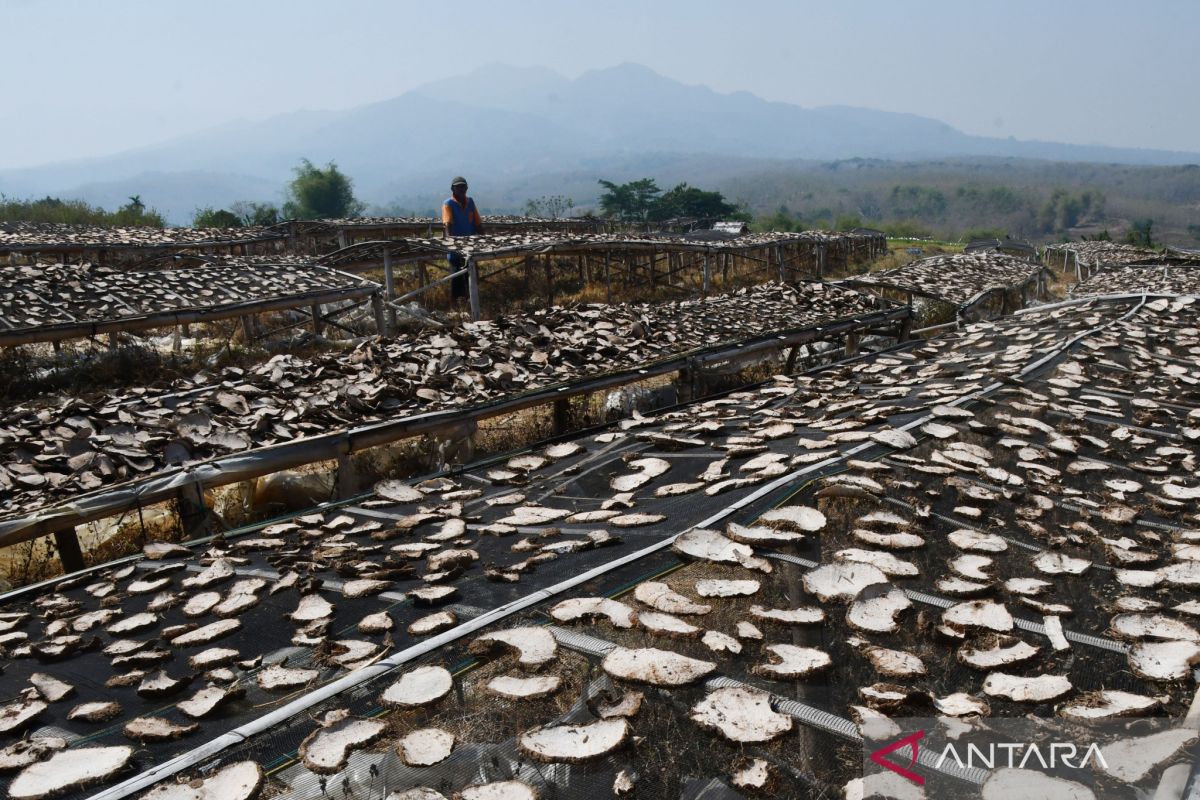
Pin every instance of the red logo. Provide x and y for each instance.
(904, 771)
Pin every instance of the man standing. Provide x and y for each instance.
(459, 218)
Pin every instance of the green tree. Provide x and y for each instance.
(847, 222)
(918, 202)
(907, 229)
(629, 202)
(989, 199)
(1141, 233)
(551, 206)
(321, 194)
(1062, 210)
(781, 220)
(77, 212)
(254, 214)
(690, 202)
(975, 234)
(135, 213)
(215, 218)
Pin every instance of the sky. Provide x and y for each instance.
(91, 77)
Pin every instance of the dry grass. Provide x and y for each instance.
(897, 256)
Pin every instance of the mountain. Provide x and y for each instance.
(522, 132)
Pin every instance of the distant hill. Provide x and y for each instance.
(521, 132)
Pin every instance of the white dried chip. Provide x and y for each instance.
(789, 662)
(326, 750)
(425, 747)
(420, 687)
(1035, 689)
(616, 612)
(713, 587)
(741, 715)
(662, 597)
(653, 666)
(574, 743)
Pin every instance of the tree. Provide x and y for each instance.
(689, 202)
(919, 202)
(1062, 210)
(781, 220)
(77, 212)
(215, 218)
(551, 206)
(976, 234)
(135, 213)
(321, 194)
(847, 222)
(1140, 233)
(629, 202)
(251, 213)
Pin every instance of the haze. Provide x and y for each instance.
(86, 79)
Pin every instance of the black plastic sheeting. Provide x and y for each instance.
(935, 372)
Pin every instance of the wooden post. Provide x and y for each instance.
(347, 480)
(69, 552)
(852, 342)
(248, 328)
(315, 310)
(562, 415)
(473, 288)
(193, 514)
(608, 275)
(707, 276)
(653, 268)
(389, 287)
(381, 326)
(779, 258)
(549, 268)
(341, 239)
(790, 365)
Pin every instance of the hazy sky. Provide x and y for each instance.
(90, 77)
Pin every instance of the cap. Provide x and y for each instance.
(458, 181)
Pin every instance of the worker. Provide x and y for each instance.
(459, 218)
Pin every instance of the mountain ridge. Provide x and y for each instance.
(507, 125)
